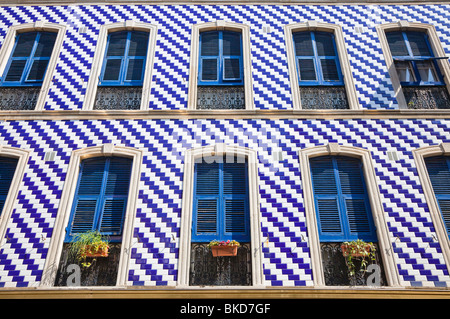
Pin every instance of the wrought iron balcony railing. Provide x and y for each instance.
(323, 97)
(427, 97)
(18, 98)
(118, 98)
(220, 97)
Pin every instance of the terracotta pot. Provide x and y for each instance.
(91, 252)
(224, 251)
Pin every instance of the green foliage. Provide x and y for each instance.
(90, 241)
(360, 250)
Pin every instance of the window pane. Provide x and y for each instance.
(231, 43)
(426, 71)
(231, 69)
(117, 43)
(324, 43)
(135, 68)
(45, 45)
(209, 69)
(138, 44)
(405, 71)
(112, 70)
(303, 44)
(37, 70)
(15, 70)
(210, 43)
(24, 44)
(307, 70)
(329, 70)
(397, 44)
(418, 44)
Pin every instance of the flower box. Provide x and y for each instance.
(90, 251)
(218, 251)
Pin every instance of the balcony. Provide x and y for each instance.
(118, 98)
(18, 98)
(323, 98)
(426, 97)
(220, 97)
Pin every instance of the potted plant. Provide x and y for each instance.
(360, 250)
(89, 244)
(223, 248)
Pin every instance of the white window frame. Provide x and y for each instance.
(246, 57)
(187, 206)
(8, 45)
(385, 245)
(419, 156)
(22, 160)
(436, 47)
(350, 89)
(97, 63)
(65, 207)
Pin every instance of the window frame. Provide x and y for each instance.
(436, 48)
(195, 58)
(66, 203)
(342, 56)
(420, 154)
(378, 215)
(9, 44)
(187, 208)
(100, 52)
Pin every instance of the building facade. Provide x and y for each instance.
(337, 114)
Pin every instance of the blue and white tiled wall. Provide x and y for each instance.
(154, 254)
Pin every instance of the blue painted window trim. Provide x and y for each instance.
(125, 58)
(221, 80)
(438, 168)
(24, 81)
(220, 199)
(317, 65)
(100, 199)
(413, 59)
(344, 225)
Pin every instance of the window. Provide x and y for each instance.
(438, 168)
(417, 65)
(220, 67)
(101, 197)
(7, 169)
(319, 69)
(413, 58)
(221, 209)
(317, 59)
(121, 72)
(340, 197)
(28, 58)
(125, 57)
(220, 58)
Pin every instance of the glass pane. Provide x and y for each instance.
(231, 43)
(209, 69)
(45, 45)
(307, 70)
(112, 70)
(24, 44)
(426, 71)
(405, 71)
(138, 44)
(37, 70)
(15, 70)
(329, 70)
(210, 43)
(117, 43)
(231, 69)
(135, 68)
(303, 44)
(418, 44)
(324, 43)
(397, 44)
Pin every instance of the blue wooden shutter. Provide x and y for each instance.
(439, 173)
(220, 202)
(342, 206)
(7, 170)
(29, 60)
(101, 196)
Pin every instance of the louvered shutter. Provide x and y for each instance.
(342, 205)
(7, 170)
(209, 56)
(439, 173)
(101, 196)
(220, 202)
